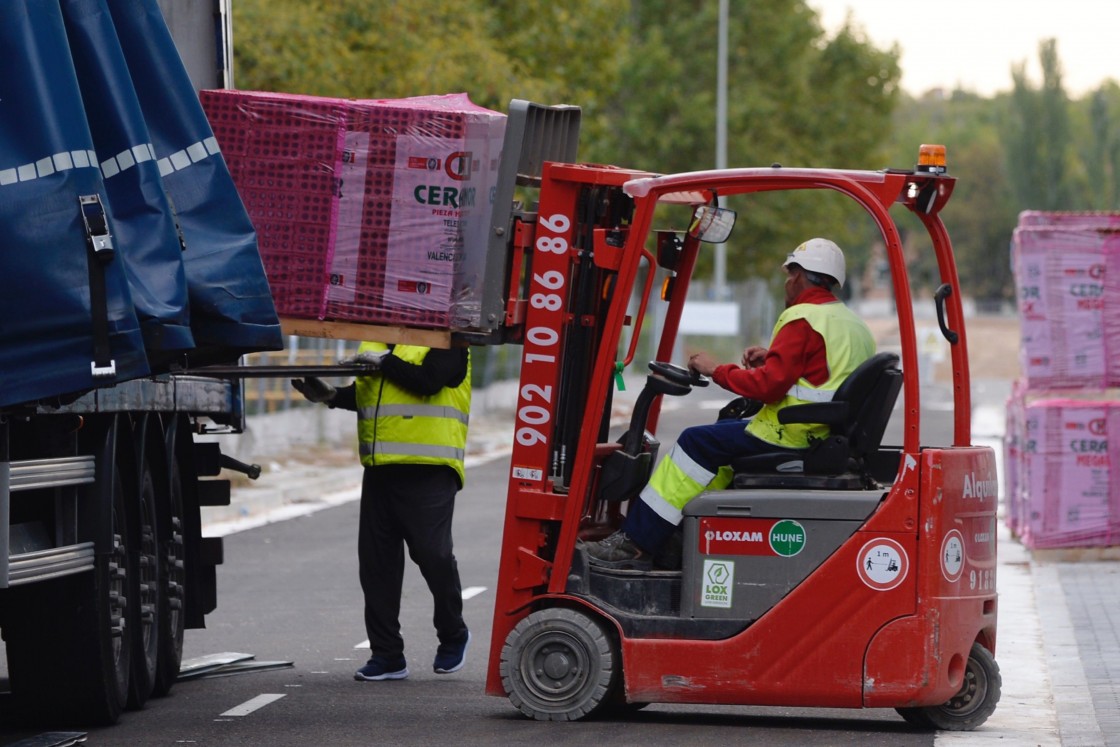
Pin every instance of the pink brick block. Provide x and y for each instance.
(1067, 490)
(370, 211)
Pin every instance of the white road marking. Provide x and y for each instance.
(473, 591)
(253, 704)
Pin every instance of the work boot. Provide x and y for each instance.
(617, 551)
(383, 668)
(450, 656)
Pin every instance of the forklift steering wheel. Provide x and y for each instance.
(679, 375)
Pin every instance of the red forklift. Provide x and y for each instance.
(864, 579)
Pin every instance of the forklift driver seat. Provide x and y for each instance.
(858, 416)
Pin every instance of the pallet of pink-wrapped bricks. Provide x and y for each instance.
(367, 211)
(1061, 470)
(1067, 273)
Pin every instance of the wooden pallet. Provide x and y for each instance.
(432, 338)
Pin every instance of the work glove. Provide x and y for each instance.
(370, 358)
(315, 390)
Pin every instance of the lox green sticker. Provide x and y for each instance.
(787, 538)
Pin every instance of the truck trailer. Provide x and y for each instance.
(128, 260)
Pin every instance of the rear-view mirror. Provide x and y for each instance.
(711, 224)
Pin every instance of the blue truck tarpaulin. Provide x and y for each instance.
(126, 246)
(48, 344)
(231, 303)
(143, 226)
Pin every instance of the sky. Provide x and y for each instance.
(972, 44)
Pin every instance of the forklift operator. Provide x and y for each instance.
(817, 342)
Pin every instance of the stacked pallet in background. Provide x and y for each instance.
(1062, 473)
(366, 211)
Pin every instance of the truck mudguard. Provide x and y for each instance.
(231, 305)
(67, 321)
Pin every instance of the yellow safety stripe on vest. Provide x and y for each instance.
(412, 449)
(415, 411)
(809, 394)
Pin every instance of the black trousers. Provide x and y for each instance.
(408, 505)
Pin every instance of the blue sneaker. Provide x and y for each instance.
(382, 668)
(451, 656)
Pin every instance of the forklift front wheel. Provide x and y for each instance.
(558, 665)
(973, 703)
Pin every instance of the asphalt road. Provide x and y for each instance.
(289, 592)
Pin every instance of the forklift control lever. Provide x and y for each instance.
(679, 375)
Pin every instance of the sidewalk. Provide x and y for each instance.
(1058, 641)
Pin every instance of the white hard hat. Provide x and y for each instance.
(819, 255)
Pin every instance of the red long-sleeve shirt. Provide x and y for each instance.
(796, 352)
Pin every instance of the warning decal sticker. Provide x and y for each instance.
(882, 564)
(952, 555)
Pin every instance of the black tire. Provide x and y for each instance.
(173, 576)
(972, 705)
(69, 655)
(145, 587)
(559, 665)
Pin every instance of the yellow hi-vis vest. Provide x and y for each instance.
(396, 426)
(848, 342)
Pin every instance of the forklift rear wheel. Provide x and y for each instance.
(973, 703)
(558, 665)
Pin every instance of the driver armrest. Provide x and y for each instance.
(826, 413)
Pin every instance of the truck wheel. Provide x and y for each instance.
(973, 703)
(145, 589)
(68, 657)
(558, 665)
(173, 578)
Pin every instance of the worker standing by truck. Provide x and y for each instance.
(817, 343)
(412, 432)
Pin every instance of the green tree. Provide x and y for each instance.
(982, 212)
(1039, 136)
(1099, 147)
(795, 97)
(495, 51)
(643, 71)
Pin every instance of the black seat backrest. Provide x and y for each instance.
(870, 391)
(857, 416)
